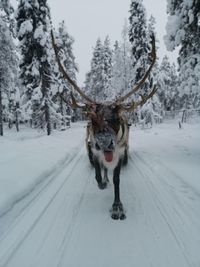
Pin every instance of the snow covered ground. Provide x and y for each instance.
(53, 214)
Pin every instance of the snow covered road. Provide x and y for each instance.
(64, 220)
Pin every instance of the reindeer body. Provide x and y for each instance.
(107, 144)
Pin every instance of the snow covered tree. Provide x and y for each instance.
(98, 79)
(127, 57)
(8, 69)
(138, 36)
(94, 78)
(183, 31)
(122, 72)
(33, 25)
(107, 58)
(167, 85)
(117, 80)
(64, 43)
(151, 25)
(7, 14)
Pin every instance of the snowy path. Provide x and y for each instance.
(65, 221)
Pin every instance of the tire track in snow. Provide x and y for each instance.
(22, 228)
(8, 219)
(165, 200)
(72, 206)
(70, 230)
(60, 228)
(186, 198)
(140, 237)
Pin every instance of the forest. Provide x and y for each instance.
(61, 181)
(32, 88)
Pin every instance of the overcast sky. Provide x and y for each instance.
(86, 20)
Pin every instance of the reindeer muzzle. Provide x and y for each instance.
(106, 142)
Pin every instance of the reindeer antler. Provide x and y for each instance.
(142, 81)
(133, 105)
(65, 75)
(128, 107)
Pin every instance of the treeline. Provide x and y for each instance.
(31, 85)
(30, 82)
(114, 71)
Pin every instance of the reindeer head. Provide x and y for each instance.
(105, 126)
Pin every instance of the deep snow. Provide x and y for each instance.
(53, 214)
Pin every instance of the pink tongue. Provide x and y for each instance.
(108, 156)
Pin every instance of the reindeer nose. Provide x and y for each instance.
(111, 145)
(105, 142)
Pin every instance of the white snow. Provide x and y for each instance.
(40, 35)
(26, 159)
(26, 27)
(53, 214)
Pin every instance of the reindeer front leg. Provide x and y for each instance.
(101, 183)
(117, 210)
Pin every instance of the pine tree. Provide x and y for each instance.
(33, 22)
(95, 78)
(98, 79)
(8, 67)
(117, 80)
(7, 14)
(183, 30)
(127, 58)
(122, 73)
(167, 83)
(64, 43)
(107, 68)
(138, 36)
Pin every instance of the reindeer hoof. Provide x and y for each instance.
(117, 212)
(102, 185)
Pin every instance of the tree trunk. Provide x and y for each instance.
(45, 89)
(1, 114)
(63, 113)
(47, 118)
(17, 117)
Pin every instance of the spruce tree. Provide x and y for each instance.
(167, 83)
(107, 69)
(8, 67)
(127, 72)
(117, 80)
(138, 36)
(122, 74)
(64, 43)
(183, 31)
(98, 79)
(95, 78)
(33, 22)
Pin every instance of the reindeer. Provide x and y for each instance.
(108, 131)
